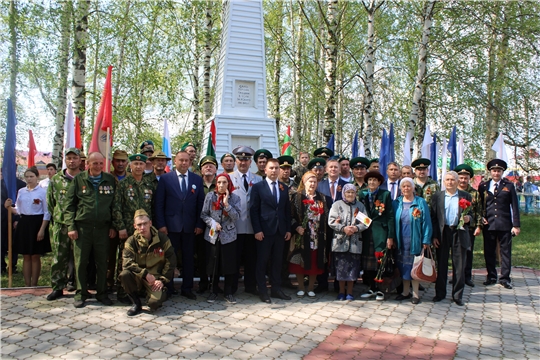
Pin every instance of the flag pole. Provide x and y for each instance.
(10, 248)
(107, 151)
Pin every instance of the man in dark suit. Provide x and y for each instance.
(447, 234)
(271, 219)
(393, 174)
(179, 201)
(500, 212)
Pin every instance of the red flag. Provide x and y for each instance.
(211, 148)
(103, 124)
(31, 149)
(78, 142)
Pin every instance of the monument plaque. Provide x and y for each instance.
(244, 93)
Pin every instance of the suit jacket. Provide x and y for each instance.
(438, 217)
(384, 186)
(501, 209)
(266, 215)
(179, 212)
(243, 224)
(324, 188)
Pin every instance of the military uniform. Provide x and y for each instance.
(142, 257)
(132, 195)
(427, 190)
(89, 212)
(476, 213)
(60, 242)
(300, 170)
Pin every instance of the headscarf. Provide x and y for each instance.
(305, 177)
(230, 187)
(348, 187)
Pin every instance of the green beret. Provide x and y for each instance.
(323, 152)
(208, 159)
(359, 161)
(138, 157)
(464, 169)
(421, 163)
(376, 160)
(262, 153)
(229, 155)
(188, 143)
(285, 161)
(342, 157)
(316, 162)
(497, 164)
(146, 143)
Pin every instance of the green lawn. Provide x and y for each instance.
(525, 252)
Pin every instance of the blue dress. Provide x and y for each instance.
(405, 259)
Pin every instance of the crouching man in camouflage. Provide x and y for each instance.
(148, 262)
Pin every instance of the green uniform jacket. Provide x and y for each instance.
(57, 197)
(89, 206)
(130, 196)
(156, 257)
(476, 211)
(383, 225)
(430, 187)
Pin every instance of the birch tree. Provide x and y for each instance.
(330, 59)
(13, 51)
(80, 43)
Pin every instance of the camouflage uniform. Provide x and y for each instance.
(141, 257)
(131, 195)
(60, 242)
(300, 170)
(430, 187)
(358, 188)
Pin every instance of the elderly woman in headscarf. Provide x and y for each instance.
(309, 213)
(220, 211)
(413, 233)
(347, 241)
(381, 233)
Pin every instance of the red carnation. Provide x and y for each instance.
(464, 203)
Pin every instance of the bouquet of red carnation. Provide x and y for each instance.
(465, 205)
(385, 261)
(312, 209)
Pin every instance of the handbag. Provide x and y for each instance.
(424, 267)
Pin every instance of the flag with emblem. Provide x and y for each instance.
(103, 124)
(31, 149)
(286, 148)
(211, 148)
(166, 144)
(69, 132)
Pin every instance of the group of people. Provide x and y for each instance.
(140, 226)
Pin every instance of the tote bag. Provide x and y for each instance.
(424, 267)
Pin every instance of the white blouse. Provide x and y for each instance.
(32, 202)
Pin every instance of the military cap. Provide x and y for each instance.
(374, 174)
(73, 150)
(464, 169)
(342, 157)
(497, 164)
(140, 212)
(147, 148)
(158, 154)
(285, 161)
(138, 157)
(262, 153)
(316, 162)
(376, 160)
(323, 152)
(188, 143)
(83, 157)
(421, 163)
(208, 159)
(359, 161)
(120, 155)
(227, 155)
(147, 143)
(243, 152)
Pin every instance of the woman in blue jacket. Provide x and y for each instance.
(413, 234)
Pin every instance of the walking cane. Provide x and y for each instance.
(216, 253)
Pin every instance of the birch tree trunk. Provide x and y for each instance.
(276, 75)
(298, 40)
(367, 106)
(80, 44)
(207, 61)
(63, 69)
(330, 52)
(421, 74)
(95, 93)
(122, 45)
(13, 52)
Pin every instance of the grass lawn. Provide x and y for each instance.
(525, 252)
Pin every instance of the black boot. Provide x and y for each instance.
(137, 306)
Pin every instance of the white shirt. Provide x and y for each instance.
(396, 187)
(346, 179)
(180, 179)
(44, 183)
(492, 186)
(32, 202)
(272, 187)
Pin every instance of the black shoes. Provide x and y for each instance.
(189, 294)
(279, 294)
(265, 298)
(124, 299)
(437, 299)
(506, 284)
(469, 282)
(490, 282)
(415, 300)
(78, 303)
(105, 301)
(403, 297)
(55, 295)
(137, 306)
(458, 302)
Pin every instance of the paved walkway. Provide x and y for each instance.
(495, 323)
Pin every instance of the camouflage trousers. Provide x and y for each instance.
(132, 284)
(62, 249)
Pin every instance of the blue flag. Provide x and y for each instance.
(383, 154)
(9, 164)
(452, 147)
(355, 145)
(391, 156)
(433, 157)
(331, 143)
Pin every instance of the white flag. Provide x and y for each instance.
(361, 150)
(460, 151)
(444, 163)
(407, 150)
(428, 140)
(69, 132)
(500, 148)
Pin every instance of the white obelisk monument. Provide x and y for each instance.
(240, 105)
